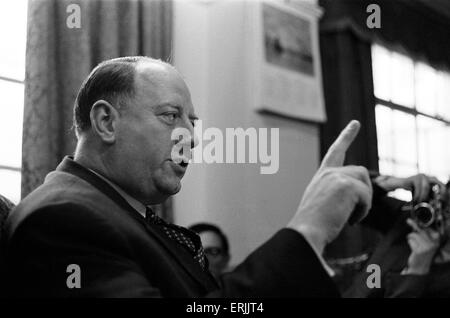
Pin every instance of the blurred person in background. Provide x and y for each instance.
(5, 207)
(216, 247)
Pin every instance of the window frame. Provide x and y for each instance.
(3, 167)
(410, 110)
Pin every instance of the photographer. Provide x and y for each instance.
(414, 257)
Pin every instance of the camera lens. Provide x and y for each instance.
(423, 213)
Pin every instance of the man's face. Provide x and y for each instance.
(143, 149)
(217, 257)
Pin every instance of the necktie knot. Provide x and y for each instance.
(152, 217)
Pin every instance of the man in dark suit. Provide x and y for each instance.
(88, 231)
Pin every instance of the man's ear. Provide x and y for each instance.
(104, 119)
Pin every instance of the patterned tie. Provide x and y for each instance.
(188, 239)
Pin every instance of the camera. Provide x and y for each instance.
(432, 213)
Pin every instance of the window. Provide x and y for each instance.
(412, 116)
(13, 17)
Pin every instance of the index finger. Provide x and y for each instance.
(336, 153)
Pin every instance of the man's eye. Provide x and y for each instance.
(171, 116)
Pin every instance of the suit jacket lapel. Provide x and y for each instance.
(184, 259)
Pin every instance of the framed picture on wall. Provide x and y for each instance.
(283, 58)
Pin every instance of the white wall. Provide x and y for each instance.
(249, 206)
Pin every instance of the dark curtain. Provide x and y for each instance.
(420, 27)
(345, 42)
(59, 58)
(348, 91)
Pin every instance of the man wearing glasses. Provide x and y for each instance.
(215, 245)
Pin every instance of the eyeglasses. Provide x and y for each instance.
(213, 251)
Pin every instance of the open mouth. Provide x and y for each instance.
(180, 160)
(184, 164)
(180, 163)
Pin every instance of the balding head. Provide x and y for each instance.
(113, 81)
(125, 115)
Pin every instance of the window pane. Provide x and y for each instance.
(402, 80)
(404, 137)
(404, 170)
(381, 66)
(443, 95)
(426, 130)
(434, 152)
(400, 170)
(383, 116)
(11, 117)
(408, 144)
(386, 167)
(426, 88)
(13, 25)
(401, 194)
(10, 184)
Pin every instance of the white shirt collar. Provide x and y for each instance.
(137, 205)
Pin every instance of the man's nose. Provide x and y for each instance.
(194, 140)
(193, 137)
(189, 138)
